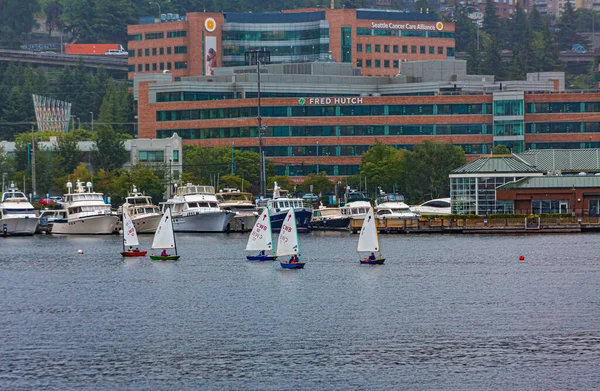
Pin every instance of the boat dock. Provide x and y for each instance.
(484, 225)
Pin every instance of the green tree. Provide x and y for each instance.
(319, 182)
(67, 152)
(234, 182)
(491, 22)
(283, 181)
(17, 19)
(501, 149)
(116, 109)
(492, 62)
(430, 166)
(568, 33)
(53, 10)
(109, 152)
(466, 30)
(383, 166)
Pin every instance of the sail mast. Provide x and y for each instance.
(173, 231)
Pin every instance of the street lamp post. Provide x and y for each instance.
(33, 179)
(170, 178)
(260, 133)
(92, 113)
(158, 4)
(4, 175)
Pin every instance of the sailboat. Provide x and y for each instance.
(368, 241)
(288, 242)
(261, 239)
(164, 238)
(130, 238)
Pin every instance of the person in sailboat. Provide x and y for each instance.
(130, 248)
(262, 253)
(137, 250)
(372, 257)
(164, 253)
(294, 259)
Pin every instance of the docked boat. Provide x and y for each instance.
(368, 241)
(196, 209)
(130, 238)
(85, 213)
(438, 206)
(164, 238)
(329, 219)
(355, 209)
(261, 239)
(242, 205)
(144, 214)
(17, 215)
(288, 245)
(279, 207)
(392, 206)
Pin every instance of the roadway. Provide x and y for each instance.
(115, 65)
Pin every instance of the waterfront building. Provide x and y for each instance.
(535, 181)
(575, 194)
(323, 116)
(473, 186)
(377, 41)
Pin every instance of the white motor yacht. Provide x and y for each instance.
(144, 214)
(241, 204)
(17, 215)
(438, 206)
(391, 206)
(329, 218)
(196, 209)
(86, 213)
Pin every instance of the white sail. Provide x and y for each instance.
(129, 234)
(288, 236)
(261, 237)
(164, 237)
(368, 239)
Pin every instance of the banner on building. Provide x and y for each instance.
(210, 43)
(51, 114)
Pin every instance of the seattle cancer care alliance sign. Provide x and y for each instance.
(407, 26)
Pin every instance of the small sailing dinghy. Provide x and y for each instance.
(164, 238)
(288, 242)
(368, 241)
(130, 238)
(261, 239)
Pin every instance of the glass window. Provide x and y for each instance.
(508, 107)
(386, 48)
(363, 31)
(413, 49)
(440, 50)
(404, 48)
(395, 48)
(154, 66)
(168, 50)
(396, 64)
(154, 51)
(386, 63)
(139, 52)
(377, 63)
(162, 66)
(358, 63)
(368, 63)
(147, 67)
(162, 51)
(422, 49)
(449, 52)
(377, 48)
(368, 48)
(508, 128)
(432, 50)
(149, 36)
(175, 155)
(139, 67)
(359, 47)
(147, 52)
(180, 49)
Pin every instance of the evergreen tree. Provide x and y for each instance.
(466, 31)
(116, 107)
(568, 34)
(491, 22)
(492, 62)
(109, 152)
(536, 22)
(67, 152)
(17, 19)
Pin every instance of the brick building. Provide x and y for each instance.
(376, 41)
(323, 116)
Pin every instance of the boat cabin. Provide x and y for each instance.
(190, 189)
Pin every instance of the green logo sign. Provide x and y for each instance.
(301, 101)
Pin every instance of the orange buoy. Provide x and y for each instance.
(521, 258)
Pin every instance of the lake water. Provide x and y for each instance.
(444, 312)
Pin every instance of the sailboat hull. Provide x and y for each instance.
(167, 258)
(261, 258)
(134, 253)
(298, 265)
(203, 222)
(379, 261)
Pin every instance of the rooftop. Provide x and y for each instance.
(565, 160)
(497, 164)
(554, 182)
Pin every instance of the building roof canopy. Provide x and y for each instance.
(565, 160)
(496, 164)
(554, 182)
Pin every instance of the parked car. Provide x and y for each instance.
(45, 201)
(310, 197)
(56, 199)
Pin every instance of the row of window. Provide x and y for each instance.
(161, 66)
(563, 127)
(329, 131)
(403, 33)
(287, 35)
(282, 50)
(329, 169)
(159, 35)
(156, 156)
(396, 49)
(158, 51)
(563, 107)
(322, 111)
